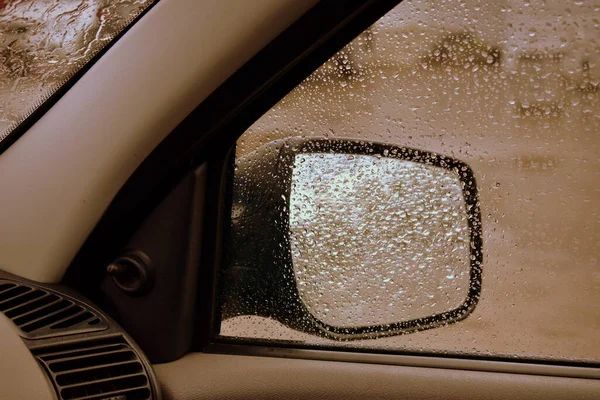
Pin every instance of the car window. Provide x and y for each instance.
(43, 43)
(510, 89)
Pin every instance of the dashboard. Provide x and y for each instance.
(57, 345)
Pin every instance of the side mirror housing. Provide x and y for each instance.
(351, 239)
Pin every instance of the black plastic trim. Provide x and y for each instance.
(40, 312)
(162, 319)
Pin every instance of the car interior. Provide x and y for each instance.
(160, 214)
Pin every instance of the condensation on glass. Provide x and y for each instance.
(511, 88)
(43, 43)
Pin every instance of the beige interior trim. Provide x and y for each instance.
(214, 376)
(59, 178)
(21, 377)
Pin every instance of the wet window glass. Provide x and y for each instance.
(43, 43)
(433, 188)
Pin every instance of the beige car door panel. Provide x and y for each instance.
(217, 376)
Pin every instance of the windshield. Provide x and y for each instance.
(44, 43)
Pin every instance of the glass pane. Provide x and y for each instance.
(43, 43)
(510, 88)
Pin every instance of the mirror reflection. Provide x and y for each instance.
(377, 240)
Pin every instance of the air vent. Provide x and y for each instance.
(40, 312)
(100, 369)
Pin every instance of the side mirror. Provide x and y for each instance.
(350, 239)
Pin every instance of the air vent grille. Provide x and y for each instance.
(94, 370)
(40, 313)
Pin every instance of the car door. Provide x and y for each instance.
(157, 193)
